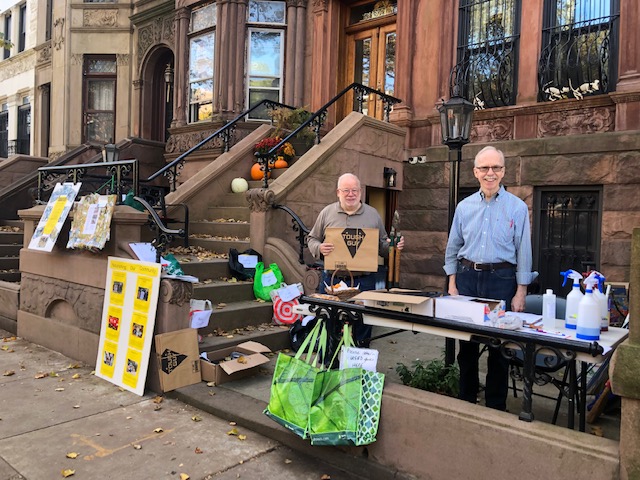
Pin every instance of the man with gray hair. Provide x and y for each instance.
(489, 255)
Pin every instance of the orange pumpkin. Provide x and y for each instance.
(281, 163)
(257, 173)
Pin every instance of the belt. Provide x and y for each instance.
(485, 266)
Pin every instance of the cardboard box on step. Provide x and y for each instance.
(177, 363)
(223, 371)
(480, 311)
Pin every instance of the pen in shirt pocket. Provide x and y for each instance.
(511, 223)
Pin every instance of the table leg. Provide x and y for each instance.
(572, 394)
(583, 396)
(528, 372)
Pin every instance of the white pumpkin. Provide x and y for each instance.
(239, 185)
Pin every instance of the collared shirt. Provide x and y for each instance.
(491, 232)
(334, 216)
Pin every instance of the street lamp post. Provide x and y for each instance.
(456, 115)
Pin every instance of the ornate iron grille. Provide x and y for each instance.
(4, 134)
(579, 49)
(566, 234)
(487, 52)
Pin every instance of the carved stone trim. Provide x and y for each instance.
(14, 66)
(493, 130)
(320, 6)
(43, 53)
(160, 29)
(175, 292)
(576, 122)
(260, 199)
(122, 59)
(100, 18)
(297, 3)
(183, 141)
(76, 59)
(38, 293)
(58, 33)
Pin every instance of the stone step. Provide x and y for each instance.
(239, 315)
(7, 263)
(232, 200)
(10, 276)
(12, 250)
(220, 291)
(213, 269)
(235, 213)
(11, 238)
(12, 223)
(275, 337)
(224, 229)
(220, 245)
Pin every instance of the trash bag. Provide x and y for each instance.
(246, 271)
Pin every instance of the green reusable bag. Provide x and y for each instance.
(266, 280)
(347, 408)
(293, 387)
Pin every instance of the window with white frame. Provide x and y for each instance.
(265, 52)
(7, 36)
(201, 58)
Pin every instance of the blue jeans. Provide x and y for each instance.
(372, 281)
(496, 284)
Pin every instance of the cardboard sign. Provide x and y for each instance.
(177, 356)
(356, 249)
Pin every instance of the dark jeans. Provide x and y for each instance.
(372, 281)
(496, 284)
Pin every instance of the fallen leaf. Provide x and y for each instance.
(196, 418)
(229, 336)
(72, 455)
(59, 389)
(597, 431)
(7, 349)
(41, 375)
(242, 360)
(67, 473)
(242, 437)
(76, 376)
(158, 399)
(158, 430)
(53, 374)
(137, 447)
(211, 394)
(128, 418)
(288, 461)
(73, 365)
(211, 384)
(232, 424)
(8, 373)
(157, 407)
(9, 339)
(184, 476)
(197, 450)
(76, 406)
(233, 431)
(325, 477)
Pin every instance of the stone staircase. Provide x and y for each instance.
(237, 316)
(11, 240)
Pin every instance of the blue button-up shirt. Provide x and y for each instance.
(491, 232)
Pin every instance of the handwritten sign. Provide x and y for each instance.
(365, 358)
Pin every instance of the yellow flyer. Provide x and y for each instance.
(138, 330)
(132, 368)
(108, 356)
(114, 323)
(118, 285)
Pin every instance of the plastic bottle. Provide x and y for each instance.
(588, 326)
(573, 299)
(549, 310)
(603, 300)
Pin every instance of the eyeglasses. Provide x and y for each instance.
(349, 190)
(495, 168)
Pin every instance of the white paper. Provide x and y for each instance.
(91, 222)
(289, 292)
(200, 318)
(353, 357)
(248, 261)
(146, 252)
(268, 279)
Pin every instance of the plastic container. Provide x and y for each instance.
(549, 310)
(588, 326)
(573, 299)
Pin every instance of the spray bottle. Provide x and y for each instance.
(603, 300)
(588, 326)
(573, 299)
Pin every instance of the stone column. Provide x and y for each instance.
(629, 47)
(42, 121)
(238, 98)
(323, 81)
(181, 68)
(290, 78)
(301, 31)
(625, 380)
(261, 202)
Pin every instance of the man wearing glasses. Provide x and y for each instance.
(489, 255)
(349, 211)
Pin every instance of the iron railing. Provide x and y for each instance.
(164, 235)
(299, 227)
(225, 133)
(316, 121)
(579, 53)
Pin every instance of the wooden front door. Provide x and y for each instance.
(371, 61)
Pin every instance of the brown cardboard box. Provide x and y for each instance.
(177, 362)
(228, 370)
(395, 300)
(356, 249)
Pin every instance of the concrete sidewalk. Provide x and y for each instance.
(51, 408)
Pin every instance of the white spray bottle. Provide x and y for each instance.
(573, 299)
(588, 326)
(603, 301)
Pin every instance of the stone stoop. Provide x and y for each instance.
(11, 241)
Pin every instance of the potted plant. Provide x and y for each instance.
(287, 120)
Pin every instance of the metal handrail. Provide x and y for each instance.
(165, 235)
(316, 121)
(170, 170)
(298, 226)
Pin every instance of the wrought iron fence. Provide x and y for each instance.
(579, 49)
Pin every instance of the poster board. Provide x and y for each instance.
(356, 249)
(128, 320)
(55, 213)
